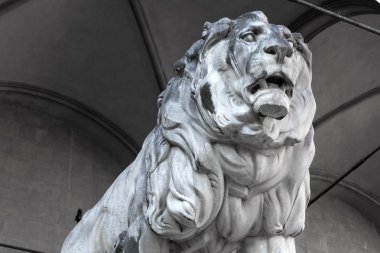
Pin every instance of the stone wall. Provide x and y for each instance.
(333, 226)
(49, 169)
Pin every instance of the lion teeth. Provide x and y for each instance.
(271, 82)
(253, 88)
(263, 84)
(289, 92)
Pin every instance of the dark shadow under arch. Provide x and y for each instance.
(312, 22)
(74, 105)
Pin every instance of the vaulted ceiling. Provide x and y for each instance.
(109, 60)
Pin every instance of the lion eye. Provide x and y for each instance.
(289, 38)
(291, 42)
(248, 37)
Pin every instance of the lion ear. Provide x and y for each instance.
(213, 33)
(302, 47)
(190, 60)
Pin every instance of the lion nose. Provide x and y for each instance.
(280, 50)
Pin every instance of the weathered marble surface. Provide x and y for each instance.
(226, 167)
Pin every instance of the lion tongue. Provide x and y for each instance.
(270, 128)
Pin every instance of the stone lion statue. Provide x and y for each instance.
(226, 168)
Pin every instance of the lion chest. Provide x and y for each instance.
(279, 210)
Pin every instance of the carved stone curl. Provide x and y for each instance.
(226, 168)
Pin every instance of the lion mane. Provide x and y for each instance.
(226, 167)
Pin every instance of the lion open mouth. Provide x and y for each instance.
(273, 95)
(273, 81)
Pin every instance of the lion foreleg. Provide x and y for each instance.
(180, 197)
(190, 199)
(150, 242)
(268, 244)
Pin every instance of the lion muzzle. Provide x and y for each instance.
(271, 96)
(273, 103)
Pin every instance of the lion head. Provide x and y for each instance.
(251, 81)
(241, 109)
